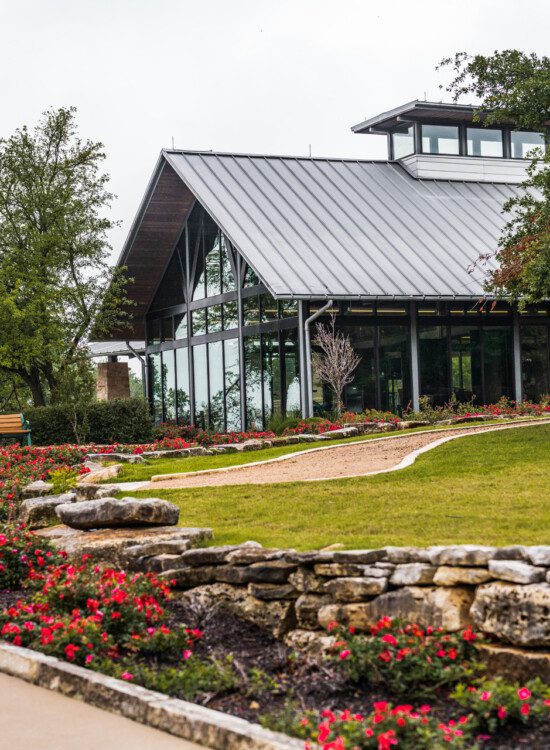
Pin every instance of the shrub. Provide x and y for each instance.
(405, 658)
(121, 420)
(23, 556)
(62, 479)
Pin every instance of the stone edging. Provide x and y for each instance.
(204, 726)
(407, 461)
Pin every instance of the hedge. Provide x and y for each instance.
(119, 421)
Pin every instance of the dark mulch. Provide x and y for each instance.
(310, 682)
(9, 597)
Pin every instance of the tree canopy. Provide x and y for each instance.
(54, 273)
(514, 87)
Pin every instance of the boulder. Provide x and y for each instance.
(36, 489)
(110, 545)
(400, 555)
(514, 613)
(199, 451)
(449, 576)
(224, 449)
(110, 513)
(469, 555)
(161, 547)
(309, 641)
(249, 555)
(188, 578)
(272, 591)
(365, 556)
(209, 555)
(355, 589)
(125, 458)
(107, 472)
(441, 607)
(312, 557)
(307, 609)
(349, 569)
(412, 574)
(306, 581)
(516, 572)
(39, 512)
(538, 555)
(515, 664)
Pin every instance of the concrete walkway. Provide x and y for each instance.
(33, 717)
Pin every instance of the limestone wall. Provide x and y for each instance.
(503, 591)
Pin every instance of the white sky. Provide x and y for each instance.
(238, 75)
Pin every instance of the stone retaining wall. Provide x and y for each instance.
(503, 591)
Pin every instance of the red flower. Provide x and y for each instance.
(524, 694)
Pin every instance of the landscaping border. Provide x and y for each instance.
(189, 721)
(406, 461)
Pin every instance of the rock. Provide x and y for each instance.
(272, 591)
(448, 576)
(309, 641)
(111, 513)
(209, 555)
(125, 458)
(253, 445)
(412, 574)
(158, 563)
(107, 472)
(174, 547)
(400, 555)
(348, 569)
(189, 578)
(199, 451)
(441, 607)
(306, 581)
(248, 555)
(411, 423)
(278, 441)
(514, 664)
(271, 572)
(235, 574)
(224, 449)
(516, 572)
(277, 616)
(306, 438)
(364, 556)
(388, 566)
(110, 545)
(514, 613)
(315, 556)
(307, 610)
(538, 555)
(355, 589)
(36, 489)
(469, 555)
(39, 512)
(510, 553)
(91, 491)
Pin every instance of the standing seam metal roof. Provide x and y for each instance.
(345, 228)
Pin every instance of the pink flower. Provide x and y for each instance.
(524, 694)
(187, 654)
(502, 713)
(344, 654)
(485, 695)
(89, 659)
(389, 638)
(525, 709)
(127, 676)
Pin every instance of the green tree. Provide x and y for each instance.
(55, 281)
(514, 87)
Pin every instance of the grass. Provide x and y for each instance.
(144, 471)
(484, 489)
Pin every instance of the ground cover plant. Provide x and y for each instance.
(487, 488)
(130, 626)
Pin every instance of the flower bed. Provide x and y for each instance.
(400, 686)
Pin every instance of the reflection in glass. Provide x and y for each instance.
(440, 139)
(232, 385)
(361, 393)
(434, 364)
(251, 311)
(250, 277)
(466, 363)
(394, 368)
(212, 253)
(200, 381)
(524, 142)
(253, 380)
(169, 385)
(534, 361)
(403, 141)
(228, 279)
(195, 234)
(198, 318)
(291, 371)
(269, 308)
(167, 329)
(215, 374)
(155, 380)
(271, 375)
(484, 142)
(182, 373)
(214, 318)
(497, 363)
(230, 315)
(180, 324)
(288, 308)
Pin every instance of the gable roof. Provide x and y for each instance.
(319, 228)
(314, 228)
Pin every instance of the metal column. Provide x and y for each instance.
(415, 371)
(518, 395)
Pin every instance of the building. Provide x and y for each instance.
(232, 256)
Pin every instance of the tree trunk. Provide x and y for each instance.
(32, 379)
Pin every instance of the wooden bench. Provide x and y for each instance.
(15, 424)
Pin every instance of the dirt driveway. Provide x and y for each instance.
(328, 462)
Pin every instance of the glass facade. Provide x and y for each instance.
(440, 139)
(535, 361)
(524, 142)
(484, 142)
(402, 141)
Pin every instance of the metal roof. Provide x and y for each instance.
(416, 109)
(115, 348)
(314, 228)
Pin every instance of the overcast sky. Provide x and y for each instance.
(262, 76)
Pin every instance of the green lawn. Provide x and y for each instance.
(144, 471)
(488, 489)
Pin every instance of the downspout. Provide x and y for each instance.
(144, 368)
(307, 341)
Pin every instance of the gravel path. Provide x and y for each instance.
(331, 462)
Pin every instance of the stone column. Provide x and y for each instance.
(113, 381)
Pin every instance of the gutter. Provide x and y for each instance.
(308, 373)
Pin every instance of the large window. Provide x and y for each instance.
(291, 353)
(524, 142)
(232, 384)
(395, 392)
(253, 377)
(169, 385)
(216, 417)
(484, 142)
(200, 371)
(403, 141)
(155, 381)
(440, 139)
(271, 375)
(535, 365)
(361, 393)
(182, 379)
(433, 351)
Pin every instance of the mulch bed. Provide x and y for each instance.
(311, 682)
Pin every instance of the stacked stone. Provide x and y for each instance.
(502, 591)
